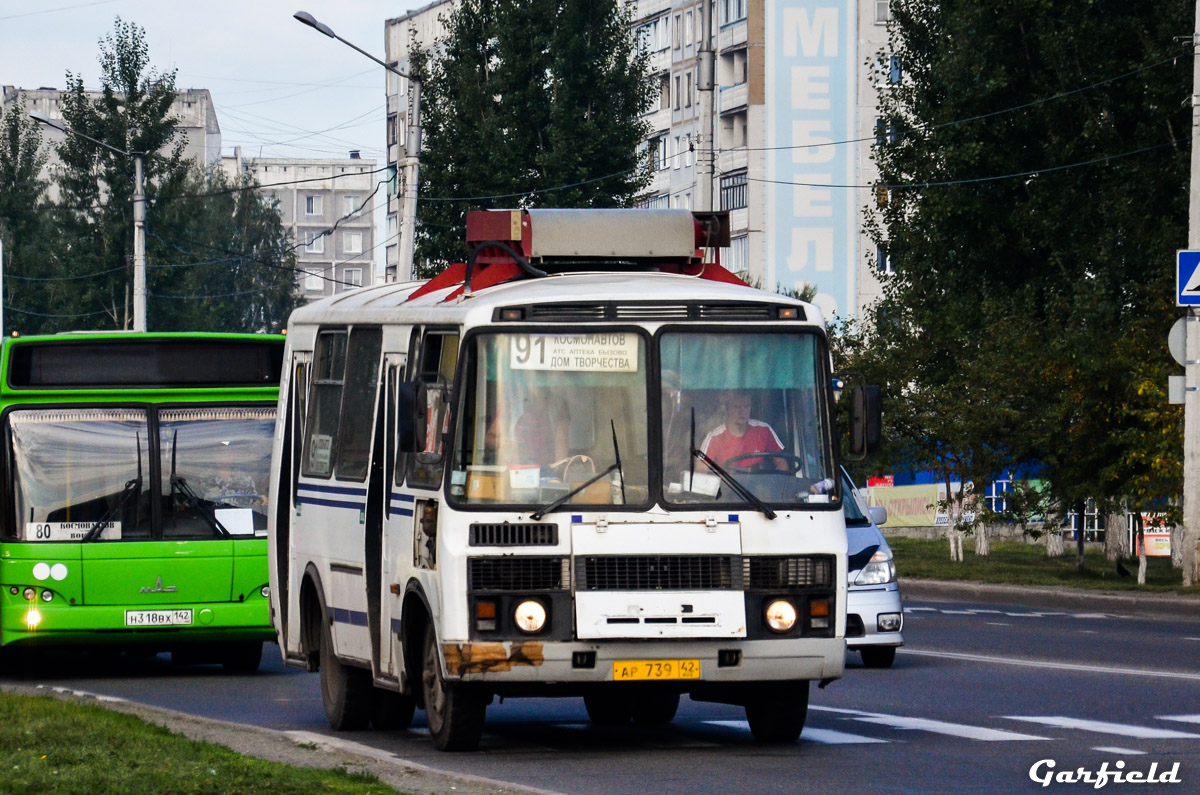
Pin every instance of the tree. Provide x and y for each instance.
(528, 103)
(22, 212)
(1037, 178)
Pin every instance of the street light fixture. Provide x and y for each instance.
(139, 216)
(412, 141)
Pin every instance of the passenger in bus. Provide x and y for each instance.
(542, 429)
(740, 435)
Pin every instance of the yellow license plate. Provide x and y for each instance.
(654, 670)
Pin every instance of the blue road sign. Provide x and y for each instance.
(1187, 278)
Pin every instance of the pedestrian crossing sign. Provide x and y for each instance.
(1187, 278)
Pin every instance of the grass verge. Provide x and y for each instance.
(55, 746)
(1018, 563)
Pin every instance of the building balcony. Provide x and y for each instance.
(733, 96)
(733, 35)
(659, 120)
(733, 160)
(641, 10)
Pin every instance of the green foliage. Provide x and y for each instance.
(1027, 316)
(22, 207)
(54, 746)
(528, 103)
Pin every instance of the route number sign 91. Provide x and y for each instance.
(613, 352)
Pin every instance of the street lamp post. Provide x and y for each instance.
(139, 217)
(412, 142)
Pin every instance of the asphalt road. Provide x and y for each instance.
(982, 692)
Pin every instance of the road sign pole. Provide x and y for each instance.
(1191, 399)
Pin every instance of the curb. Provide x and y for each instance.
(1161, 607)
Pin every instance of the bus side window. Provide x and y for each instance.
(439, 357)
(321, 424)
(299, 411)
(395, 376)
(358, 402)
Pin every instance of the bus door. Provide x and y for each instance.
(397, 519)
(282, 557)
(332, 488)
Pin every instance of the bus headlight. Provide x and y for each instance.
(781, 615)
(879, 571)
(47, 596)
(33, 618)
(29, 593)
(530, 616)
(265, 591)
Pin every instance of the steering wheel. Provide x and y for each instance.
(794, 463)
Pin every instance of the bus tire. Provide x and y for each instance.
(608, 708)
(454, 713)
(778, 717)
(655, 709)
(393, 711)
(346, 691)
(242, 658)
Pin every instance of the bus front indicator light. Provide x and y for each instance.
(530, 616)
(818, 613)
(780, 615)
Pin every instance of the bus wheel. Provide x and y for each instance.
(346, 691)
(655, 709)
(778, 716)
(242, 658)
(608, 709)
(393, 711)
(454, 713)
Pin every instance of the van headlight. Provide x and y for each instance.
(881, 569)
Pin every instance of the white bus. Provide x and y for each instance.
(583, 463)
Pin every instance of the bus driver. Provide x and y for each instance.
(740, 435)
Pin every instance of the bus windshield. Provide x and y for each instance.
(84, 473)
(541, 414)
(752, 405)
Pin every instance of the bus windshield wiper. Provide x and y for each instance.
(614, 467)
(733, 483)
(132, 488)
(204, 508)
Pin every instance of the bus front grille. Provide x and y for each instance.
(659, 573)
(518, 573)
(514, 534)
(788, 571)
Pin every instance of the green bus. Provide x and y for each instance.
(135, 472)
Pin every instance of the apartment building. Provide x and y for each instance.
(793, 116)
(193, 108)
(327, 205)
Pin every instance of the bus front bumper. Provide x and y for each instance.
(35, 623)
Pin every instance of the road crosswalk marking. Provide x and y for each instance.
(822, 736)
(1104, 727)
(1052, 664)
(1181, 718)
(1112, 749)
(936, 726)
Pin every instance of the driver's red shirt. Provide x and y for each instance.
(721, 445)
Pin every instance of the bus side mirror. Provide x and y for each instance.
(406, 417)
(866, 420)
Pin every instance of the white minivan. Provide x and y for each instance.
(874, 616)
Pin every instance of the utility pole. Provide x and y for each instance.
(705, 150)
(139, 246)
(1191, 399)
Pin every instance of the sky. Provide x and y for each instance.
(281, 89)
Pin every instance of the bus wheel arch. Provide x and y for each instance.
(312, 610)
(415, 617)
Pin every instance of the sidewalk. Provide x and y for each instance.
(1161, 607)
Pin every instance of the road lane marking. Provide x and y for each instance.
(822, 736)
(1104, 727)
(998, 624)
(920, 610)
(934, 726)
(1057, 666)
(1181, 718)
(1112, 749)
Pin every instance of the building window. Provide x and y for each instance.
(659, 202)
(352, 242)
(732, 11)
(734, 257)
(312, 205)
(676, 102)
(996, 497)
(393, 127)
(352, 277)
(664, 92)
(314, 281)
(883, 12)
(660, 153)
(883, 263)
(676, 151)
(733, 191)
(688, 29)
(350, 204)
(687, 95)
(675, 37)
(314, 242)
(688, 149)
(895, 73)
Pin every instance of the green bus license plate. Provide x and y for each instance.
(654, 670)
(158, 618)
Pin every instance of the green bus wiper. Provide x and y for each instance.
(132, 488)
(203, 507)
